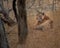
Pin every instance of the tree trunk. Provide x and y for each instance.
(22, 21)
(3, 38)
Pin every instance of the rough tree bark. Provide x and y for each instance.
(5, 17)
(3, 38)
(22, 21)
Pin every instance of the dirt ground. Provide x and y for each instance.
(48, 38)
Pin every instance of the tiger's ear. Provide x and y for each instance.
(42, 13)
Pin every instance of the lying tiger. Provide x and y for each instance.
(41, 18)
